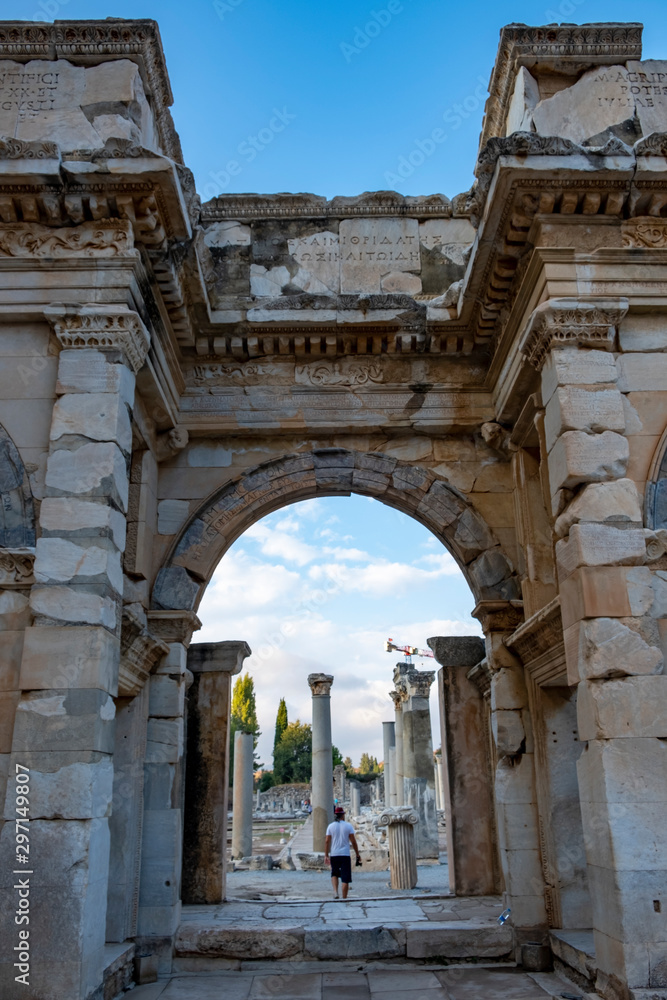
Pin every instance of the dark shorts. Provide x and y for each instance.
(341, 867)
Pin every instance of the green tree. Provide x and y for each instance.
(368, 764)
(266, 781)
(281, 723)
(348, 765)
(337, 756)
(244, 717)
(292, 759)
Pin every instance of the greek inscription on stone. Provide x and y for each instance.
(375, 255)
(28, 94)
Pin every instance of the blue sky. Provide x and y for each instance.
(319, 586)
(356, 100)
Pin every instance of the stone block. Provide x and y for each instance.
(624, 771)
(15, 613)
(158, 922)
(166, 733)
(525, 97)
(145, 969)
(602, 503)
(171, 516)
(576, 366)
(628, 707)
(642, 332)
(78, 656)
(98, 416)
(352, 943)
(244, 943)
(637, 372)
(59, 560)
(597, 592)
(529, 911)
(578, 457)
(508, 690)
(159, 785)
(175, 589)
(508, 731)
(457, 650)
(86, 370)
(75, 719)
(373, 248)
(463, 941)
(96, 470)
(471, 536)
(74, 605)
(11, 649)
(175, 662)
(77, 790)
(523, 872)
(8, 704)
(73, 854)
(492, 576)
(573, 408)
(166, 697)
(517, 826)
(515, 781)
(599, 545)
(82, 519)
(626, 837)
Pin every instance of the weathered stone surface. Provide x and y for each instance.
(79, 656)
(574, 408)
(604, 647)
(525, 97)
(87, 370)
(641, 332)
(466, 941)
(576, 366)
(371, 249)
(590, 544)
(508, 731)
(100, 416)
(60, 561)
(578, 457)
(77, 790)
(602, 503)
(78, 719)
(73, 605)
(368, 942)
(81, 518)
(508, 690)
(249, 943)
(631, 707)
(640, 372)
(457, 650)
(96, 470)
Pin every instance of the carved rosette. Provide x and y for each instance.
(16, 568)
(320, 684)
(574, 322)
(400, 814)
(104, 328)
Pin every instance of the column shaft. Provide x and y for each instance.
(242, 808)
(322, 767)
(389, 741)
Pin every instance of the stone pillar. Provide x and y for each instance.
(469, 807)
(392, 767)
(436, 776)
(389, 741)
(397, 698)
(401, 825)
(355, 798)
(339, 782)
(213, 665)
(610, 599)
(242, 808)
(419, 782)
(258, 800)
(322, 777)
(64, 726)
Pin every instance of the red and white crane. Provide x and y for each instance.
(390, 646)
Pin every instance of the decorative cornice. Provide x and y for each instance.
(94, 42)
(173, 626)
(16, 568)
(91, 239)
(582, 45)
(19, 149)
(320, 684)
(645, 231)
(654, 144)
(105, 328)
(499, 616)
(540, 646)
(140, 651)
(481, 675)
(309, 206)
(572, 321)
(400, 814)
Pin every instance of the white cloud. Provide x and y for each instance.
(280, 543)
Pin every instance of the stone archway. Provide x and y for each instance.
(415, 491)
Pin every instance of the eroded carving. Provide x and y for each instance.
(171, 442)
(321, 373)
(91, 239)
(16, 568)
(562, 321)
(103, 327)
(19, 149)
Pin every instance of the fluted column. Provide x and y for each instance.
(401, 825)
(419, 779)
(242, 800)
(322, 773)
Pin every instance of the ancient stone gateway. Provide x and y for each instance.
(494, 365)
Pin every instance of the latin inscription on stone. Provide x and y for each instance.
(28, 94)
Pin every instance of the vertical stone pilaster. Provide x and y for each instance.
(388, 741)
(419, 782)
(322, 777)
(213, 664)
(469, 805)
(242, 797)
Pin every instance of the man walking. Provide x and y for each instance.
(340, 835)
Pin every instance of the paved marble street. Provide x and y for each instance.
(369, 983)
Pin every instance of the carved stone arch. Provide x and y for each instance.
(17, 515)
(415, 491)
(655, 498)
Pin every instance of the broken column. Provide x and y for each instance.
(389, 741)
(242, 798)
(213, 665)
(392, 768)
(355, 798)
(401, 823)
(419, 780)
(397, 697)
(322, 767)
(465, 758)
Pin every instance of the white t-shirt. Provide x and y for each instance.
(340, 833)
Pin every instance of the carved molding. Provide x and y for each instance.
(173, 626)
(102, 327)
(572, 321)
(320, 684)
(645, 231)
(91, 239)
(397, 700)
(139, 652)
(419, 683)
(540, 646)
(171, 442)
(326, 373)
(654, 144)
(17, 568)
(499, 616)
(19, 149)
(309, 206)
(399, 814)
(481, 675)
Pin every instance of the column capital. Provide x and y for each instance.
(574, 322)
(320, 684)
(401, 814)
(102, 328)
(396, 698)
(218, 657)
(419, 683)
(499, 616)
(457, 650)
(139, 652)
(173, 626)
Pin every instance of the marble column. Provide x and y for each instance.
(389, 741)
(355, 798)
(401, 824)
(392, 767)
(322, 773)
(436, 776)
(419, 781)
(242, 796)
(469, 806)
(397, 697)
(213, 665)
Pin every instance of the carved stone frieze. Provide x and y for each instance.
(327, 373)
(290, 206)
(654, 144)
(20, 149)
(90, 239)
(645, 231)
(590, 323)
(499, 616)
(173, 626)
(320, 684)
(540, 646)
(16, 568)
(102, 327)
(656, 544)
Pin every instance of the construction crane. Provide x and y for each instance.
(390, 646)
